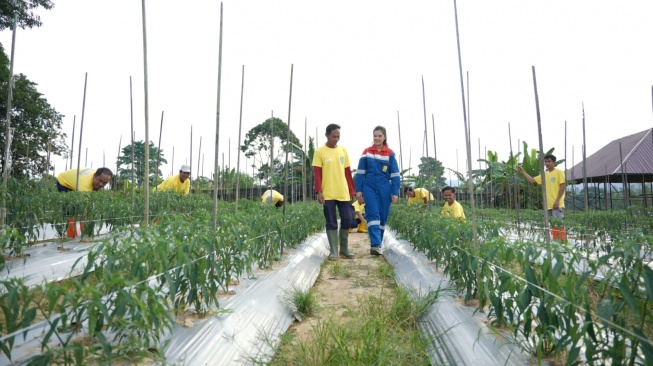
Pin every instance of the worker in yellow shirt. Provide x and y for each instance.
(451, 208)
(359, 216)
(87, 180)
(273, 197)
(179, 182)
(418, 195)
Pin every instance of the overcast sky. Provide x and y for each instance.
(356, 63)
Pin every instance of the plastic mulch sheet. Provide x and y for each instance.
(458, 337)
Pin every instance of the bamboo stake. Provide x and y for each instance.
(81, 133)
(158, 155)
(547, 238)
(426, 140)
(435, 154)
(131, 115)
(8, 137)
(115, 175)
(304, 158)
(515, 187)
(240, 127)
(190, 192)
(146, 211)
(199, 153)
(585, 186)
(217, 131)
(72, 144)
(285, 186)
(401, 154)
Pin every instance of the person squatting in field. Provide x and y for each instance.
(451, 208)
(359, 222)
(377, 181)
(335, 189)
(418, 195)
(179, 182)
(272, 197)
(87, 180)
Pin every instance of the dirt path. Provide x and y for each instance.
(343, 283)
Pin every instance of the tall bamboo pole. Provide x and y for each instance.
(131, 116)
(426, 140)
(401, 154)
(547, 236)
(81, 134)
(217, 131)
(190, 192)
(435, 156)
(515, 187)
(240, 127)
(585, 186)
(115, 175)
(158, 155)
(467, 131)
(285, 186)
(146, 211)
(304, 158)
(8, 137)
(72, 144)
(199, 154)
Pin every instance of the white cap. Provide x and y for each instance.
(185, 168)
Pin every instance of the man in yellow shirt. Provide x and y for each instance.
(451, 208)
(272, 197)
(86, 181)
(555, 186)
(179, 182)
(89, 180)
(334, 186)
(418, 195)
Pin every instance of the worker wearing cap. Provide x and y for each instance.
(272, 197)
(179, 182)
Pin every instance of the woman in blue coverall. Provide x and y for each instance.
(377, 180)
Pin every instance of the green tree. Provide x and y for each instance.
(25, 11)
(35, 123)
(125, 161)
(267, 137)
(432, 169)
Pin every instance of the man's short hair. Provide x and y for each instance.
(332, 127)
(448, 188)
(550, 156)
(101, 171)
(408, 189)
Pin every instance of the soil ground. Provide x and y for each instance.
(342, 284)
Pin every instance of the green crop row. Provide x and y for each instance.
(556, 304)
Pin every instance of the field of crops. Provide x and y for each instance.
(119, 296)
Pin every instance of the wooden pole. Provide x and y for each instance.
(426, 140)
(199, 154)
(131, 115)
(146, 211)
(304, 161)
(435, 154)
(190, 193)
(240, 128)
(8, 137)
(515, 187)
(217, 131)
(81, 134)
(72, 144)
(547, 236)
(285, 186)
(158, 155)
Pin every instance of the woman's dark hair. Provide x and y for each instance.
(332, 127)
(385, 134)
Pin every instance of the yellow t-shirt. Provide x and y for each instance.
(174, 184)
(420, 194)
(359, 207)
(455, 211)
(68, 179)
(333, 162)
(273, 198)
(553, 181)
